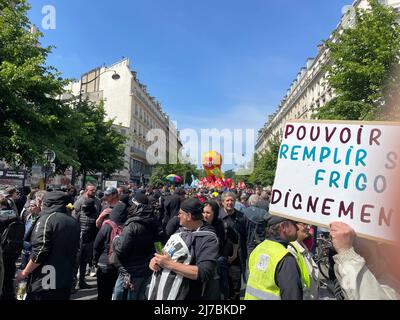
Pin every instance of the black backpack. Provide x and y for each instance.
(255, 229)
(12, 238)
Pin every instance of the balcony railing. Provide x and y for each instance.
(138, 152)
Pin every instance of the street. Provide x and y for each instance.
(87, 294)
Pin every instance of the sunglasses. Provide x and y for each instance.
(306, 226)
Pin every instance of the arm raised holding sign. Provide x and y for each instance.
(354, 276)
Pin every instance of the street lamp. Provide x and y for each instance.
(115, 77)
(50, 167)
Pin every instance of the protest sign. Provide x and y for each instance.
(338, 171)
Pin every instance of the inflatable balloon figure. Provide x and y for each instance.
(241, 185)
(212, 162)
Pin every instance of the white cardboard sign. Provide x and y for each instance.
(111, 184)
(338, 171)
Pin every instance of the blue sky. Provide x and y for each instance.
(211, 63)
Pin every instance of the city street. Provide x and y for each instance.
(233, 150)
(87, 294)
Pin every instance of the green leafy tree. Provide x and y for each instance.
(265, 164)
(364, 61)
(230, 174)
(99, 146)
(184, 170)
(32, 119)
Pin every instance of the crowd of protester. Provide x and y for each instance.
(171, 244)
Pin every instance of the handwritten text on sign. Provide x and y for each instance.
(337, 172)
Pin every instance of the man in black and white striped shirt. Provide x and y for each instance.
(203, 245)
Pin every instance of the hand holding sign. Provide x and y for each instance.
(342, 236)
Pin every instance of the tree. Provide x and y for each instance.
(230, 174)
(99, 146)
(364, 59)
(265, 164)
(32, 119)
(184, 170)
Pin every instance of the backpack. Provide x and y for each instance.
(255, 228)
(168, 285)
(116, 231)
(12, 238)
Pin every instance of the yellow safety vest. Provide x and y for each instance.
(263, 262)
(305, 276)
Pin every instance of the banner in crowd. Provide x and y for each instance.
(339, 171)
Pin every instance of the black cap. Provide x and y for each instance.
(119, 213)
(141, 198)
(271, 220)
(193, 206)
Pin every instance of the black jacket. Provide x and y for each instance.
(171, 206)
(239, 224)
(173, 226)
(135, 246)
(101, 247)
(205, 250)
(255, 227)
(287, 275)
(87, 223)
(55, 243)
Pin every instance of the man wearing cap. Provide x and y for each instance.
(203, 246)
(273, 271)
(110, 200)
(10, 193)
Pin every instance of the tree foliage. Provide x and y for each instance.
(98, 144)
(31, 117)
(364, 61)
(265, 164)
(184, 170)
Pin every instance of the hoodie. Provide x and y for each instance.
(101, 247)
(55, 243)
(135, 246)
(171, 207)
(205, 251)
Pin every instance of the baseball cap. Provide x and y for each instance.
(8, 191)
(193, 206)
(140, 198)
(271, 220)
(110, 191)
